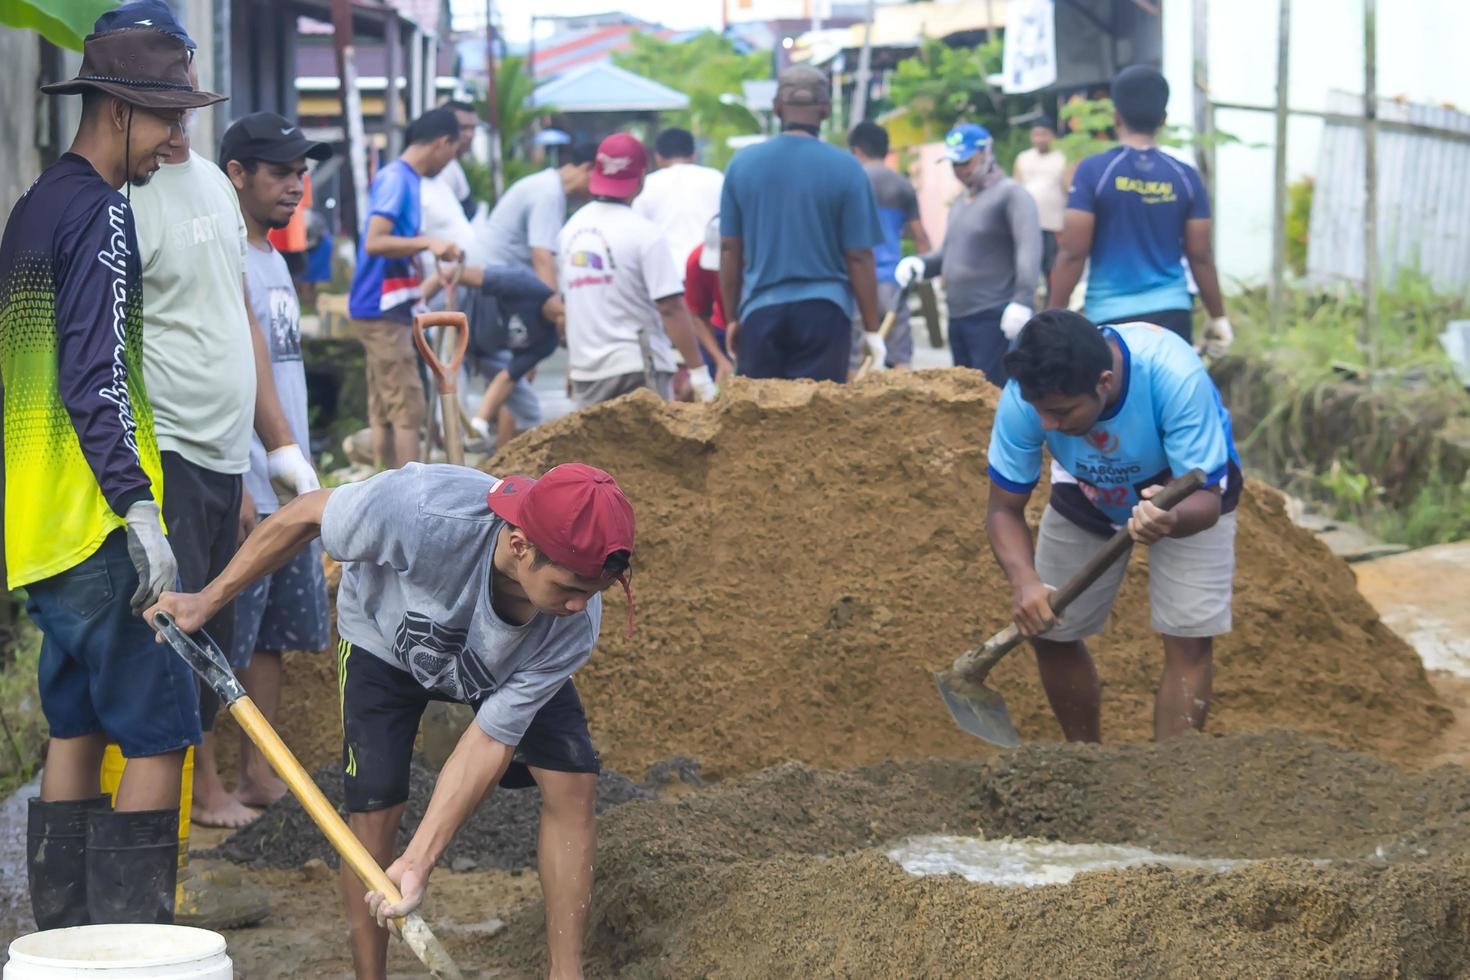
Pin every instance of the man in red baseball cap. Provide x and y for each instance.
(457, 586)
(624, 296)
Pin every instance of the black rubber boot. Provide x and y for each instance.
(132, 866)
(56, 860)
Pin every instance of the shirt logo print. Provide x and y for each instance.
(1103, 441)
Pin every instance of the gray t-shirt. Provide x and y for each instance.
(991, 254)
(417, 544)
(529, 215)
(273, 300)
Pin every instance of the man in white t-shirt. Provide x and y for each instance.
(1042, 170)
(624, 301)
(680, 197)
(198, 333)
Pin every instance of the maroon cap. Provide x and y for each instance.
(621, 162)
(575, 515)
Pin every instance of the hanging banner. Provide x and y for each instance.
(1030, 58)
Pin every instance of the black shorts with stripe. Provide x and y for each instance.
(381, 706)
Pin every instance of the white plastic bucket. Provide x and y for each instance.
(116, 952)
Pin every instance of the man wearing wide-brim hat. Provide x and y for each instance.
(83, 485)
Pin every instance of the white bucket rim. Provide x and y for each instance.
(205, 944)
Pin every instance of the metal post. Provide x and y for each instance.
(1278, 204)
(1204, 112)
(355, 189)
(864, 71)
(1369, 338)
(416, 102)
(492, 101)
(392, 103)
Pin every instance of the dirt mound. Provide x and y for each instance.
(808, 554)
(771, 874)
(501, 833)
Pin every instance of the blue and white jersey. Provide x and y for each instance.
(1168, 420)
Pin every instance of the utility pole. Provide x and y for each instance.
(1204, 113)
(1369, 338)
(864, 71)
(492, 102)
(1277, 298)
(354, 190)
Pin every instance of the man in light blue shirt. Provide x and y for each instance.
(1123, 410)
(798, 224)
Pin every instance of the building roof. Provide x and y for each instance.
(604, 87)
(563, 52)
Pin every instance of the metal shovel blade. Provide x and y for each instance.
(978, 710)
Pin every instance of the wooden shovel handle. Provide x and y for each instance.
(446, 373)
(976, 663)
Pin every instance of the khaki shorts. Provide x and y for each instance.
(395, 393)
(588, 393)
(1190, 580)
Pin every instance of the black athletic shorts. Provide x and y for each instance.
(381, 706)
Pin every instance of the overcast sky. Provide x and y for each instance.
(515, 15)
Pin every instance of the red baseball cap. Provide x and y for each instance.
(575, 514)
(619, 167)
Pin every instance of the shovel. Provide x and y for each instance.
(446, 374)
(980, 710)
(889, 319)
(209, 663)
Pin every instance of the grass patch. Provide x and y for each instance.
(22, 726)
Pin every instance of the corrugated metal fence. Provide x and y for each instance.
(1423, 196)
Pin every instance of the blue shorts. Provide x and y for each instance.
(809, 338)
(100, 669)
(286, 610)
(976, 341)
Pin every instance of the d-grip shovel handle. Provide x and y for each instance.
(975, 664)
(446, 373)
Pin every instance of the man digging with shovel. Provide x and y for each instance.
(457, 586)
(1121, 409)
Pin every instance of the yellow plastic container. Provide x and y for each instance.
(113, 764)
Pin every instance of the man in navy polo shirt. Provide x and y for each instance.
(1123, 410)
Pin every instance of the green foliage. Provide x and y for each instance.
(942, 86)
(1298, 223)
(704, 67)
(65, 23)
(513, 90)
(22, 726)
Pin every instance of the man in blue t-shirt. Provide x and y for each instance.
(386, 284)
(1123, 410)
(1137, 212)
(797, 229)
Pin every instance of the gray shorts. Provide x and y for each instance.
(586, 393)
(286, 610)
(1190, 580)
(900, 338)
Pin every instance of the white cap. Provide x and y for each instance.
(709, 256)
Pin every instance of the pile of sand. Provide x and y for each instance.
(1362, 870)
(808, 554)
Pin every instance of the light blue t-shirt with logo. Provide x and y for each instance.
(1168, 420)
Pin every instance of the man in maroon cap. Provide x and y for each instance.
(457, 586)
(624, 295)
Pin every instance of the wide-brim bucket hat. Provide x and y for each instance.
(143, 66)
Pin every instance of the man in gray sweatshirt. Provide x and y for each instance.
(990, 258)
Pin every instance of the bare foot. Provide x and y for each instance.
(260, 791)
(224, 811)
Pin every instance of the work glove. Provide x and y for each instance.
(150, 553)
(288, 468)
(1217, 337)
(877, 350)
(702, 383)
(910, 270)
(1013, 318)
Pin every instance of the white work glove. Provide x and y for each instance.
(877, 350)
(702, 383)
(1013, 318)
(1217, 337)
(289, 469)
(910, 270)
(150, 554)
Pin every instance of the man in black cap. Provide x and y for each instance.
(83, 532)
(265, 158)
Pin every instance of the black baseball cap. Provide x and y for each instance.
(269, 137)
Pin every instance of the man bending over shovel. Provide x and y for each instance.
(1122, 409)
(457, 586)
